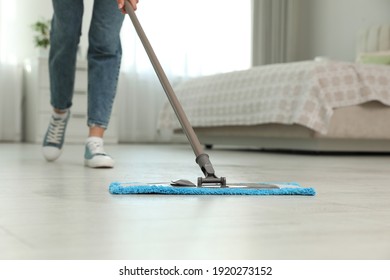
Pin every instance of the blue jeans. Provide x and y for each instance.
(104, 56)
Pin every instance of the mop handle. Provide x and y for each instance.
(188, 130)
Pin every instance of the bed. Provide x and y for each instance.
(319, 105)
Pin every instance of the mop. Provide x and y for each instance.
(211, 184)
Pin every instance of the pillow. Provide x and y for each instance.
(375, 58)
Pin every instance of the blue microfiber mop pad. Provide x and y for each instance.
(167, 189)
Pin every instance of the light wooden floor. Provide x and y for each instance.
(63, 210)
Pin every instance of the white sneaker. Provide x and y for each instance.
(95, 156)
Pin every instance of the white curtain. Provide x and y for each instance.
(10, 78)
(190, 38)
(275, 31)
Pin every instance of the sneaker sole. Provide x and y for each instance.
(99, 163)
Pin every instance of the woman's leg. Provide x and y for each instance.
(64, 39)
(104, 58)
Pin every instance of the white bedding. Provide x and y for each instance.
(304, 93)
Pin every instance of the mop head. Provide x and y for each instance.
(236, 189)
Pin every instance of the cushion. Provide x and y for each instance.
(375, 58)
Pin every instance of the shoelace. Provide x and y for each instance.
(96, 148)
(56, 131)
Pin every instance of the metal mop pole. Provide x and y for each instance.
(202, 159)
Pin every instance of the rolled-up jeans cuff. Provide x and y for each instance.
(94, 124)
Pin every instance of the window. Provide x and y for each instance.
(191, 38)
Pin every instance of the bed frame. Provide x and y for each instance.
(362, 128)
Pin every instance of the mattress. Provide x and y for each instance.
(304, 94)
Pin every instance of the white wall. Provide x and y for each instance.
(330, 27)
(16, 44)
(19, 37)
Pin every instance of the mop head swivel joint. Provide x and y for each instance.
(207, 168)
(212, 180)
